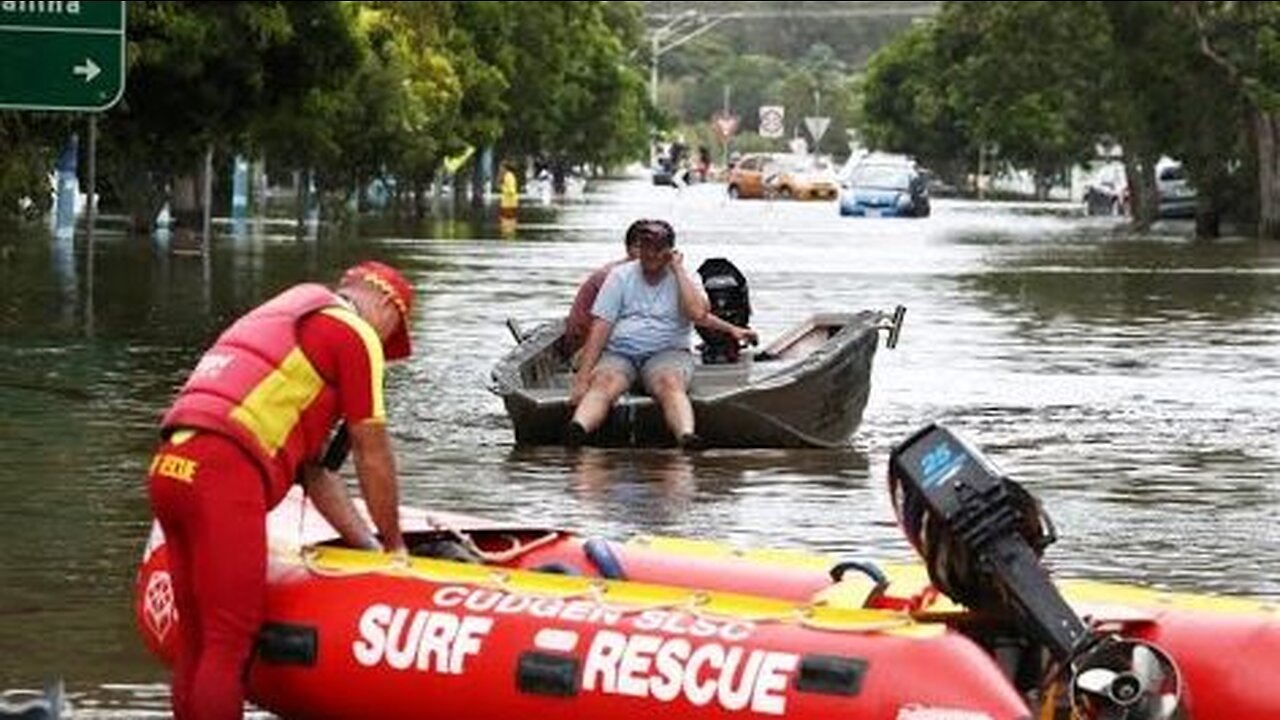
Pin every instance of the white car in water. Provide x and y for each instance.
(1177, 197)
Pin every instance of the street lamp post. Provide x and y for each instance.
(687, 26)
(653, 70)
(693, 23)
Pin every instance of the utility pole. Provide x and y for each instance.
(726, 137)
(679, 30)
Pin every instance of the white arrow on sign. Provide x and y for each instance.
(89, 70)
(817, 127)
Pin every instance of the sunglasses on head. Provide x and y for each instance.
(655, 230)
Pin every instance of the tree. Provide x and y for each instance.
(1026, 79)
(574, 96)
(200, 73)
(906, 106)
(1243, 40)
(33, 141)
(754, 80)
(1162, 96)
(818, 85)
(387, 118)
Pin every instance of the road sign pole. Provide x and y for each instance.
(206, 199)
(92, 200)
(92, 190)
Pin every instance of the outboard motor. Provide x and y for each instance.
(981, 536)
(726, 288)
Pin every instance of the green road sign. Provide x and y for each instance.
(61, 55)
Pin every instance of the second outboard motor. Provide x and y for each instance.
(981, 535)
(726, 287)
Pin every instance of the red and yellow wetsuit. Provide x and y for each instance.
(261, 402)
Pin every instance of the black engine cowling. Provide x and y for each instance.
(726, 288)
(981, 536)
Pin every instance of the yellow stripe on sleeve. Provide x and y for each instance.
(373, 348)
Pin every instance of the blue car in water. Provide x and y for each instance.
(884, 190)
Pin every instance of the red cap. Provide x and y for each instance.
(394, 286)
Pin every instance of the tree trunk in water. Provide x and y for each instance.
(141, 196)
(1144, 201)
(421, 189)
(1210, 192)
(557, 177)
(185, 207)
(1208, 221)
(1267, 131)
(1043, 182)
(299, 201)
(477, 184)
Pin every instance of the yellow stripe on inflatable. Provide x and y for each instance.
(627, 597)
(836, 608)
(1104, 593)
(905, 580)
(710, 549)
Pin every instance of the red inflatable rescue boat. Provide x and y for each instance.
(491, 621)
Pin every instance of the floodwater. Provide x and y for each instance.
(1132, 383)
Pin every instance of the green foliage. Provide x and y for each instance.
(1242, 39)
(203, 74)
(804, 56)
(819, 82)
(33, 142)
(1024, 77)
(386, 115)
(481, 40)
(906, 104)
(575, 97)
(753, 81)
(356, 90)
(787, 29)
(1042, 83)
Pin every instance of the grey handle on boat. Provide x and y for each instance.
(893, 324)
(513, 326)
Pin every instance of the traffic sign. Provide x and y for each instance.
(771, 121)
(61, 55)
(725, 124)
(817, 128)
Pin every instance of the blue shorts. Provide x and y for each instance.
(646, 368)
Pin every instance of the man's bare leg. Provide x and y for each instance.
(668, 389)
(606, 387)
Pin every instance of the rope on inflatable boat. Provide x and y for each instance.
(695, 603)
(517, 548)
(597, 590)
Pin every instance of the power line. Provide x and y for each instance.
(886, 11)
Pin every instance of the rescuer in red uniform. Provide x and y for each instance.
(255, 416)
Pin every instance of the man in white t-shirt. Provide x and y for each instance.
(640, 329)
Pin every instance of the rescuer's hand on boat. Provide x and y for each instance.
(329, 496)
